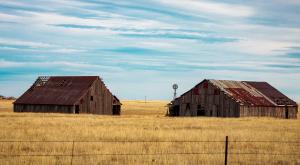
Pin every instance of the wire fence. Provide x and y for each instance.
(226, 148)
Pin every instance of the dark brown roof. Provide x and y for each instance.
(58, 90)
(272, 93)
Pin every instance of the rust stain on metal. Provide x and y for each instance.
(245, 97)
(272, 93)
(253, 93)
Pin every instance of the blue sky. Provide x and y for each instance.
(140, 48)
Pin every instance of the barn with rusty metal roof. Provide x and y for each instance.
(227, 98)
(68, 94)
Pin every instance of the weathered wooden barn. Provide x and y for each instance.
(68, 94)
(224, 98)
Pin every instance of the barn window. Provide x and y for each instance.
(92, 98)
(205, 85)
(196, 91)
(216, 92)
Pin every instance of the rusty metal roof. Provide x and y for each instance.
(250, 93)
(272, 93)
(57, 90)
(242, 92)
(253, 93)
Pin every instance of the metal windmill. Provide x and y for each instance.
(175, 87)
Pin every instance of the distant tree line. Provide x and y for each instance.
(7, 98)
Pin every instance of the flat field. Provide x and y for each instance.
(143, 135)
(6, 105)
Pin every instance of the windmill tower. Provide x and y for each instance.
(175, 87)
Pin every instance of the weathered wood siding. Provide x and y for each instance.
(214, 102)
(289, 112)
(96, 100)
(209, 98)
(43, 108)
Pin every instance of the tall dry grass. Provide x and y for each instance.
(155, 127)
(6, 105)
(139, 107)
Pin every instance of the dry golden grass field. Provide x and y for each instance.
(146, 124)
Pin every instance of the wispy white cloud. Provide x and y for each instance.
(50, 64)
(261, 47)
(10, 64)
(9, 17)
(203, 7)
(48, 18)
(24, 45)
(17, 42)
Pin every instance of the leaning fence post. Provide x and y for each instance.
(72, 153)
(226, 150)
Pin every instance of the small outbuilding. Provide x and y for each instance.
(68, 94)
(226, 98)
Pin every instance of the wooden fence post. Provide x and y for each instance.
(226, 150)
(72, 153)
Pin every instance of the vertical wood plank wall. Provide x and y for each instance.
(102, 103)
(102, 100)
(213, 104)
(218, 104)
(43, 108)
(279, 111)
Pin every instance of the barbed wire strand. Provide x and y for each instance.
(137, 141)
(142, 154)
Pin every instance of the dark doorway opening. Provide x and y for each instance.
(174, 110)
(77, 109)
(116, 110)
(200, 111)
(188, 107)
(24, 108)
(286, 112)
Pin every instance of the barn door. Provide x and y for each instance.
(200, 111)
(188, 110)
(77, 109)
(175, 110)
(286, 112)
(116, 109)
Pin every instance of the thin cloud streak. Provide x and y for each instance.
(217, 8)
